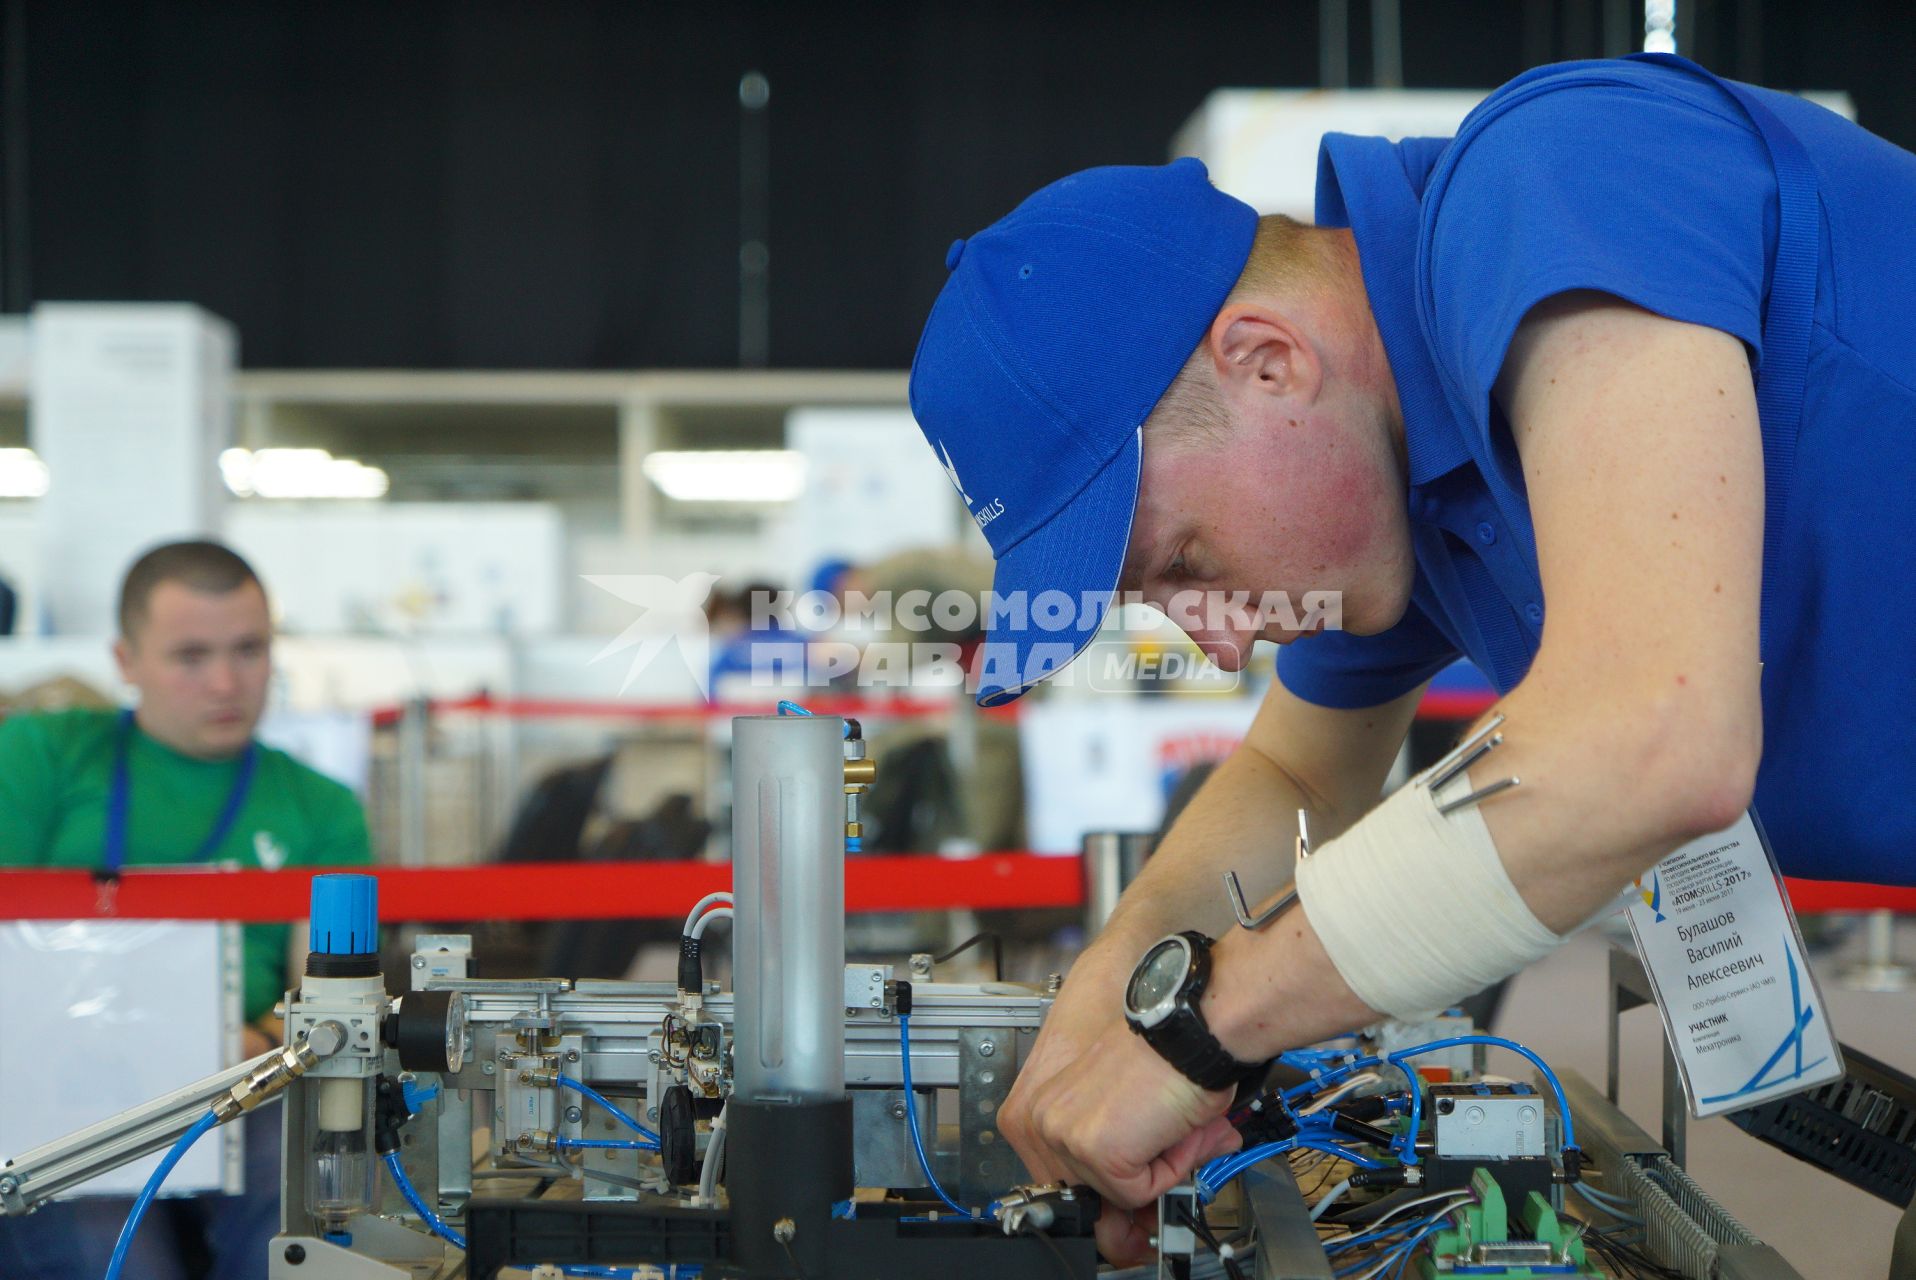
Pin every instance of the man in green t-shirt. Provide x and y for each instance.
(176, 780)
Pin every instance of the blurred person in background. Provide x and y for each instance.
(178, 779)
(735, 633)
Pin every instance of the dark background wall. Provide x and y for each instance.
(484, 185)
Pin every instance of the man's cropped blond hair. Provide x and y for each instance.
(1284, 262)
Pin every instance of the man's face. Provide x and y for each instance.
(1296, 503)
(201, 663)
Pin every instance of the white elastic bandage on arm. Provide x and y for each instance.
(1415, 907)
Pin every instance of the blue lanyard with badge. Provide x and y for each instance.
(119, 800)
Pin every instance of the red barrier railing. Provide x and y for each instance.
(530, 891)
(1438, 704)
(587, 709)
(626, 890)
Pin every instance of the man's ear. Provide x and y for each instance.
(1257, 350)
(122, 657)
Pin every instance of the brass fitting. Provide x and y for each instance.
(287, 1064)
(538, 1142)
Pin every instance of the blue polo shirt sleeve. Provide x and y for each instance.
(1637, 181)
(1345, 671)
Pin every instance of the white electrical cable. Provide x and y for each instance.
(1452, 922)
(714, 1154)
(1331, 1197)
(1398, 1253)
(692, 916)
(1342, 1091)
(716, 913)
(1397, 1210)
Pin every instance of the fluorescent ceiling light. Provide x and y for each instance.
(727, 475)
(22, 474)
(299, 473)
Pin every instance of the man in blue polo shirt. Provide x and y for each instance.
(1612, 393)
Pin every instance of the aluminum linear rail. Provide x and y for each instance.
(36, 1176)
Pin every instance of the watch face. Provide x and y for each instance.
(1155, 983)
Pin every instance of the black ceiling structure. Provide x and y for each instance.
(464, 184)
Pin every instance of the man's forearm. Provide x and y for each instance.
(1243, 820)
(1563, 838)
(1297, 755)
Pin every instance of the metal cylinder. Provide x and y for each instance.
(1112, 860)
(788, 884)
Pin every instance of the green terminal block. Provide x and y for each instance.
(1481, 1245)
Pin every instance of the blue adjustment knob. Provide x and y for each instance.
(344, 916)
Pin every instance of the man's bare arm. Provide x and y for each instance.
(1296, 755)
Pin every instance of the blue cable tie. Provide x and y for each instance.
(417, 1096)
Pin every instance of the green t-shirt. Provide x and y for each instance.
(56, 770)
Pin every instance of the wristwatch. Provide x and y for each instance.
(1161, 1004)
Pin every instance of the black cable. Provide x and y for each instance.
(997, 952)
(1324, 1179)
(1629, 1255)
(1064, 1263)
(797, 1270)
(1204, 1233)
(1616, 1261)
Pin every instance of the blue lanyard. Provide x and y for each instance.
(119, 799)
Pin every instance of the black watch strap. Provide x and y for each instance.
(1184, 1041)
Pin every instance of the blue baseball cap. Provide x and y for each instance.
(1059, 329)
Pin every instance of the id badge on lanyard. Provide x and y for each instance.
(1744, 1018)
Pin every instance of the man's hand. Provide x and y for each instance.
(1125, 1121)
(1087, 1007)
(1243, 820)
(1095, 1104)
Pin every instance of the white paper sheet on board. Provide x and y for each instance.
(104, 1015)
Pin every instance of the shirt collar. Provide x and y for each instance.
(1373, 186)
